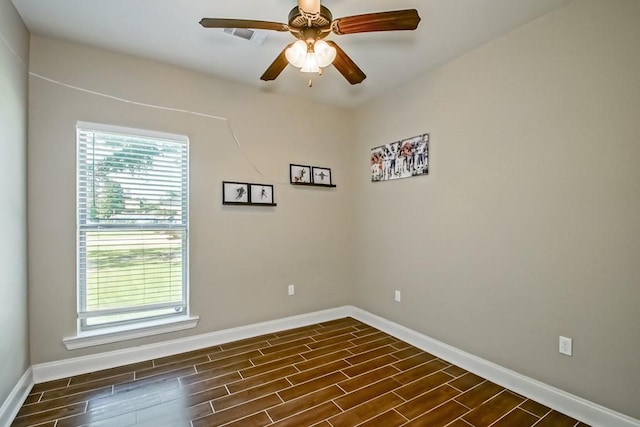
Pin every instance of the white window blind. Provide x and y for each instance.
(132, 225)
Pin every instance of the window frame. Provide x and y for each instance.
(152, 324)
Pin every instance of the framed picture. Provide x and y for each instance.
(235, 193)
(300, 174)
(400, 159)
(261, 194)
(321, 176)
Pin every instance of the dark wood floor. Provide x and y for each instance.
(338, 373)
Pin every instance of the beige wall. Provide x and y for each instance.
(14, 326)
(527, 226)
(242, 258)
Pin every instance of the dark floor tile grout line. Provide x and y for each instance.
(529, 412)
(462, 404)
(442, 404)
(462, 420)
(269, 416)
(364, 403)
(394, 410)
(290, 384)
(402, 398)
(58, 407)
(239, 404)
(324, 355)
(226, 387)
(541, 418)
(306, 408)
(474, 387)
(456, 388)
(507, 413)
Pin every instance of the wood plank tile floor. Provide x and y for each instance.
(338, 373)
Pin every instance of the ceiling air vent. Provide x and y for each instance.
(257, 37)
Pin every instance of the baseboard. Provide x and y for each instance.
(11, 406)
(81, 365)
(574, 406)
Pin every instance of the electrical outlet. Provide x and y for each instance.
(566, 346)
(398, 297)
(292, 290)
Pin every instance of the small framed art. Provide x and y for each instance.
(321, 176)
(261, 194)
(235, 193)
(300, 174)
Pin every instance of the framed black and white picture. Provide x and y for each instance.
(300, 174)
(321, 176)
(400, 159)
(235, 193)
(261, 194)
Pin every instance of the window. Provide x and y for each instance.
(132, 214)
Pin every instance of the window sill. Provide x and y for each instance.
(129, 332)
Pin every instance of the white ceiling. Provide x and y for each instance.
(168, 31)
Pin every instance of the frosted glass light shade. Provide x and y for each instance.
(310, 64)
(297, 53)
(325, 53)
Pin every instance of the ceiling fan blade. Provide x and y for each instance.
(243, 23)
(381, 21)
(276, 66)
(346, 66)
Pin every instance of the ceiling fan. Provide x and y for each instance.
(310, 23)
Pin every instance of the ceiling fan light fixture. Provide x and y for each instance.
(310, 58)
(297, 53)
(325, 53)
(310, 64)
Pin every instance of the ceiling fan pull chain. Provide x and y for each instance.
(310, 83)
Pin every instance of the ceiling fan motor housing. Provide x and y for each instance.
(298, 21)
